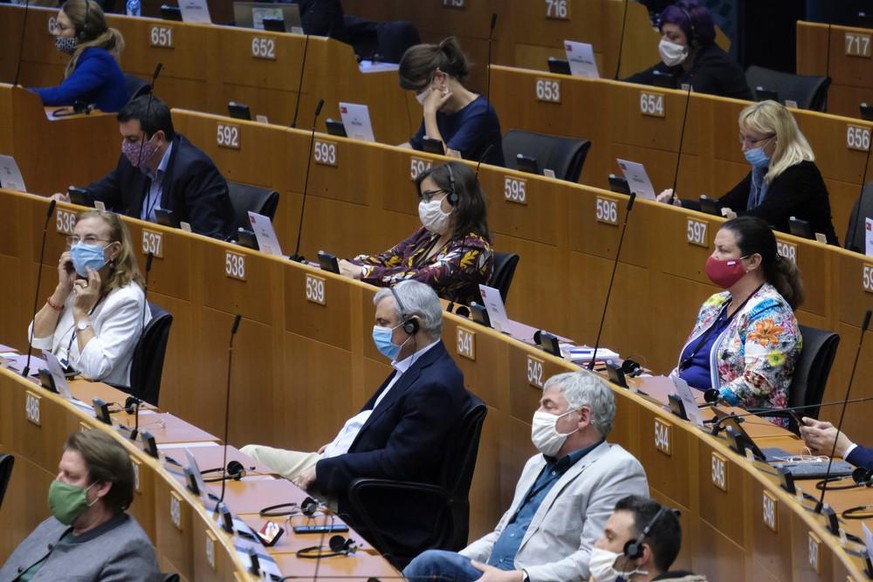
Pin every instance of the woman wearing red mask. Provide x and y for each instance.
(746, 341)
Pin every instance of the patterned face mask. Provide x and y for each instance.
(66, 45)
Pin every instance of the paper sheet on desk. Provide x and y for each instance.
(18, 362)
(683, 390)
(10, 175)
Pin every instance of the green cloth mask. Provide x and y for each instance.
(67, 502)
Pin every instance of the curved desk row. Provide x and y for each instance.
(304, 361)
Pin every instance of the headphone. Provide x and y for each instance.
(631, 368)
(633, 549)
(83, 33)
(693, 39)
(339, 546)
(453, 195)
(235, 470)
(409, 323)
(308, 508)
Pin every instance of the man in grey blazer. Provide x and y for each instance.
(562, 500)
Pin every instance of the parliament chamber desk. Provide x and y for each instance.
(186, 536)
(206, 66)
(304, 362)
(843, 53)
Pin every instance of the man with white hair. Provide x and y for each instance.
(401, 430)
(562, 500)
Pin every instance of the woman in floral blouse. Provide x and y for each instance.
(451, 251)
(746, 341)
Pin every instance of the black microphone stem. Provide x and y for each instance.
(681, 141)
(621, 41)
(136, 391)
(233, 330)
(296, 256)
(630, 204)
(21, 44)
(48, 215)
(300, 82)
(490, 43)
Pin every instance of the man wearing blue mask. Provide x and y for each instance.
(89, 535)
(401, 430)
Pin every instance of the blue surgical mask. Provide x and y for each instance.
(382, 339)
(85, 256)
(757, 157)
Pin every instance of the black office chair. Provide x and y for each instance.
(448, 501)
(504, 271)
(147, 366)
(136, 87)
(379, 41)
(855, 231)
(808, 91)
(245, 198)
(810, 374)
(6, 463)
(563, 155)
(170, 577)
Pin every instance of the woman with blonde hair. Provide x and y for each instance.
(95, 316)
(784, 181)
(92, 75)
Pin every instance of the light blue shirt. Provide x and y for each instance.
(153, 199)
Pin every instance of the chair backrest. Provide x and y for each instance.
(564, 155)
(6, 463)
(136, 87)
(812, 369)
(504, 271)
(855, 231)
(456, 473)
(808, 91)
(245, 198)
(147, 366)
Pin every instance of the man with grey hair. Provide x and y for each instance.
(400, 431)
(562, 500)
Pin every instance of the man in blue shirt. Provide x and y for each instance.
(562, 500)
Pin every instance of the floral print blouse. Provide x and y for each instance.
(454, 271)
(752, 361)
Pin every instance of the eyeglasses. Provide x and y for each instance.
(750, 141)
(57, 27)
(90, 240)
(428, 195)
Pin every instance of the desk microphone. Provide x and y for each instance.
(297, 257)
(681, 140)
(300, 83)
(864, 325)
(488, 77)
(233, 330)
(136, 395)
(621, 40)
(630, 204)
(21, 44)
(48, 215)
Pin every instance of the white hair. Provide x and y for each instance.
(415, 299)
(585, 389)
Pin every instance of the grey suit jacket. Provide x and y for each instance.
(558, 543)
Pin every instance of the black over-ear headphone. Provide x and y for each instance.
(339, 546)
(633, 549)
(409, 323)
(687, 14)
(83, 33)
(234, 470)
(453, 195)
(631, 368)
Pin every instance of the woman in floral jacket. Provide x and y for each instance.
(746, 341)
(451, 251)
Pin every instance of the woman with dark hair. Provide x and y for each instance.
(746, 341)
(464, 121)
(92, 75)
(451, 251)
(689, 54)
(95, 315)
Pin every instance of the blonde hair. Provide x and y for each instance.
(126, 269)
(772, 118)
(93, 33)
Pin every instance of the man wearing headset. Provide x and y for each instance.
(401, 430)
(562, 500)
(640, 542)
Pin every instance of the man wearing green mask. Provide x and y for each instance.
(89, 535)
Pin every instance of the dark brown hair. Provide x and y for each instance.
(420, 62)
(469, 210)
(107, 462)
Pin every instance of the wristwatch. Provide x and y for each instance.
(83, 325)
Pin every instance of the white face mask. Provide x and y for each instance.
(672, 54)
(544, 432)
(601, 566)
(432, 216)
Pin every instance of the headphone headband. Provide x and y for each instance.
(453, 195)
(409, 323)
(690, 23)
(634, 548)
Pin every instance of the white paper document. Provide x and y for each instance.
(580, 55)
(637, 179)
(683, 390)
(356, 120)
(868, 236)
(195, 11)
(266, 234)
(57, 371)
(495, 308)
(10, 175)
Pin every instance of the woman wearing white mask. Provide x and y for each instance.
(784, 181)
(95, 315)
(463, 120)
(689, 54)
(451, 251)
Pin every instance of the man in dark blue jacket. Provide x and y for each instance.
(822, 437)
(403, 428)
(160, 169)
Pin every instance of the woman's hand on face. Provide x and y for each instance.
(66, 272)
(436, 98)
(87, 292)
(349, 269)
